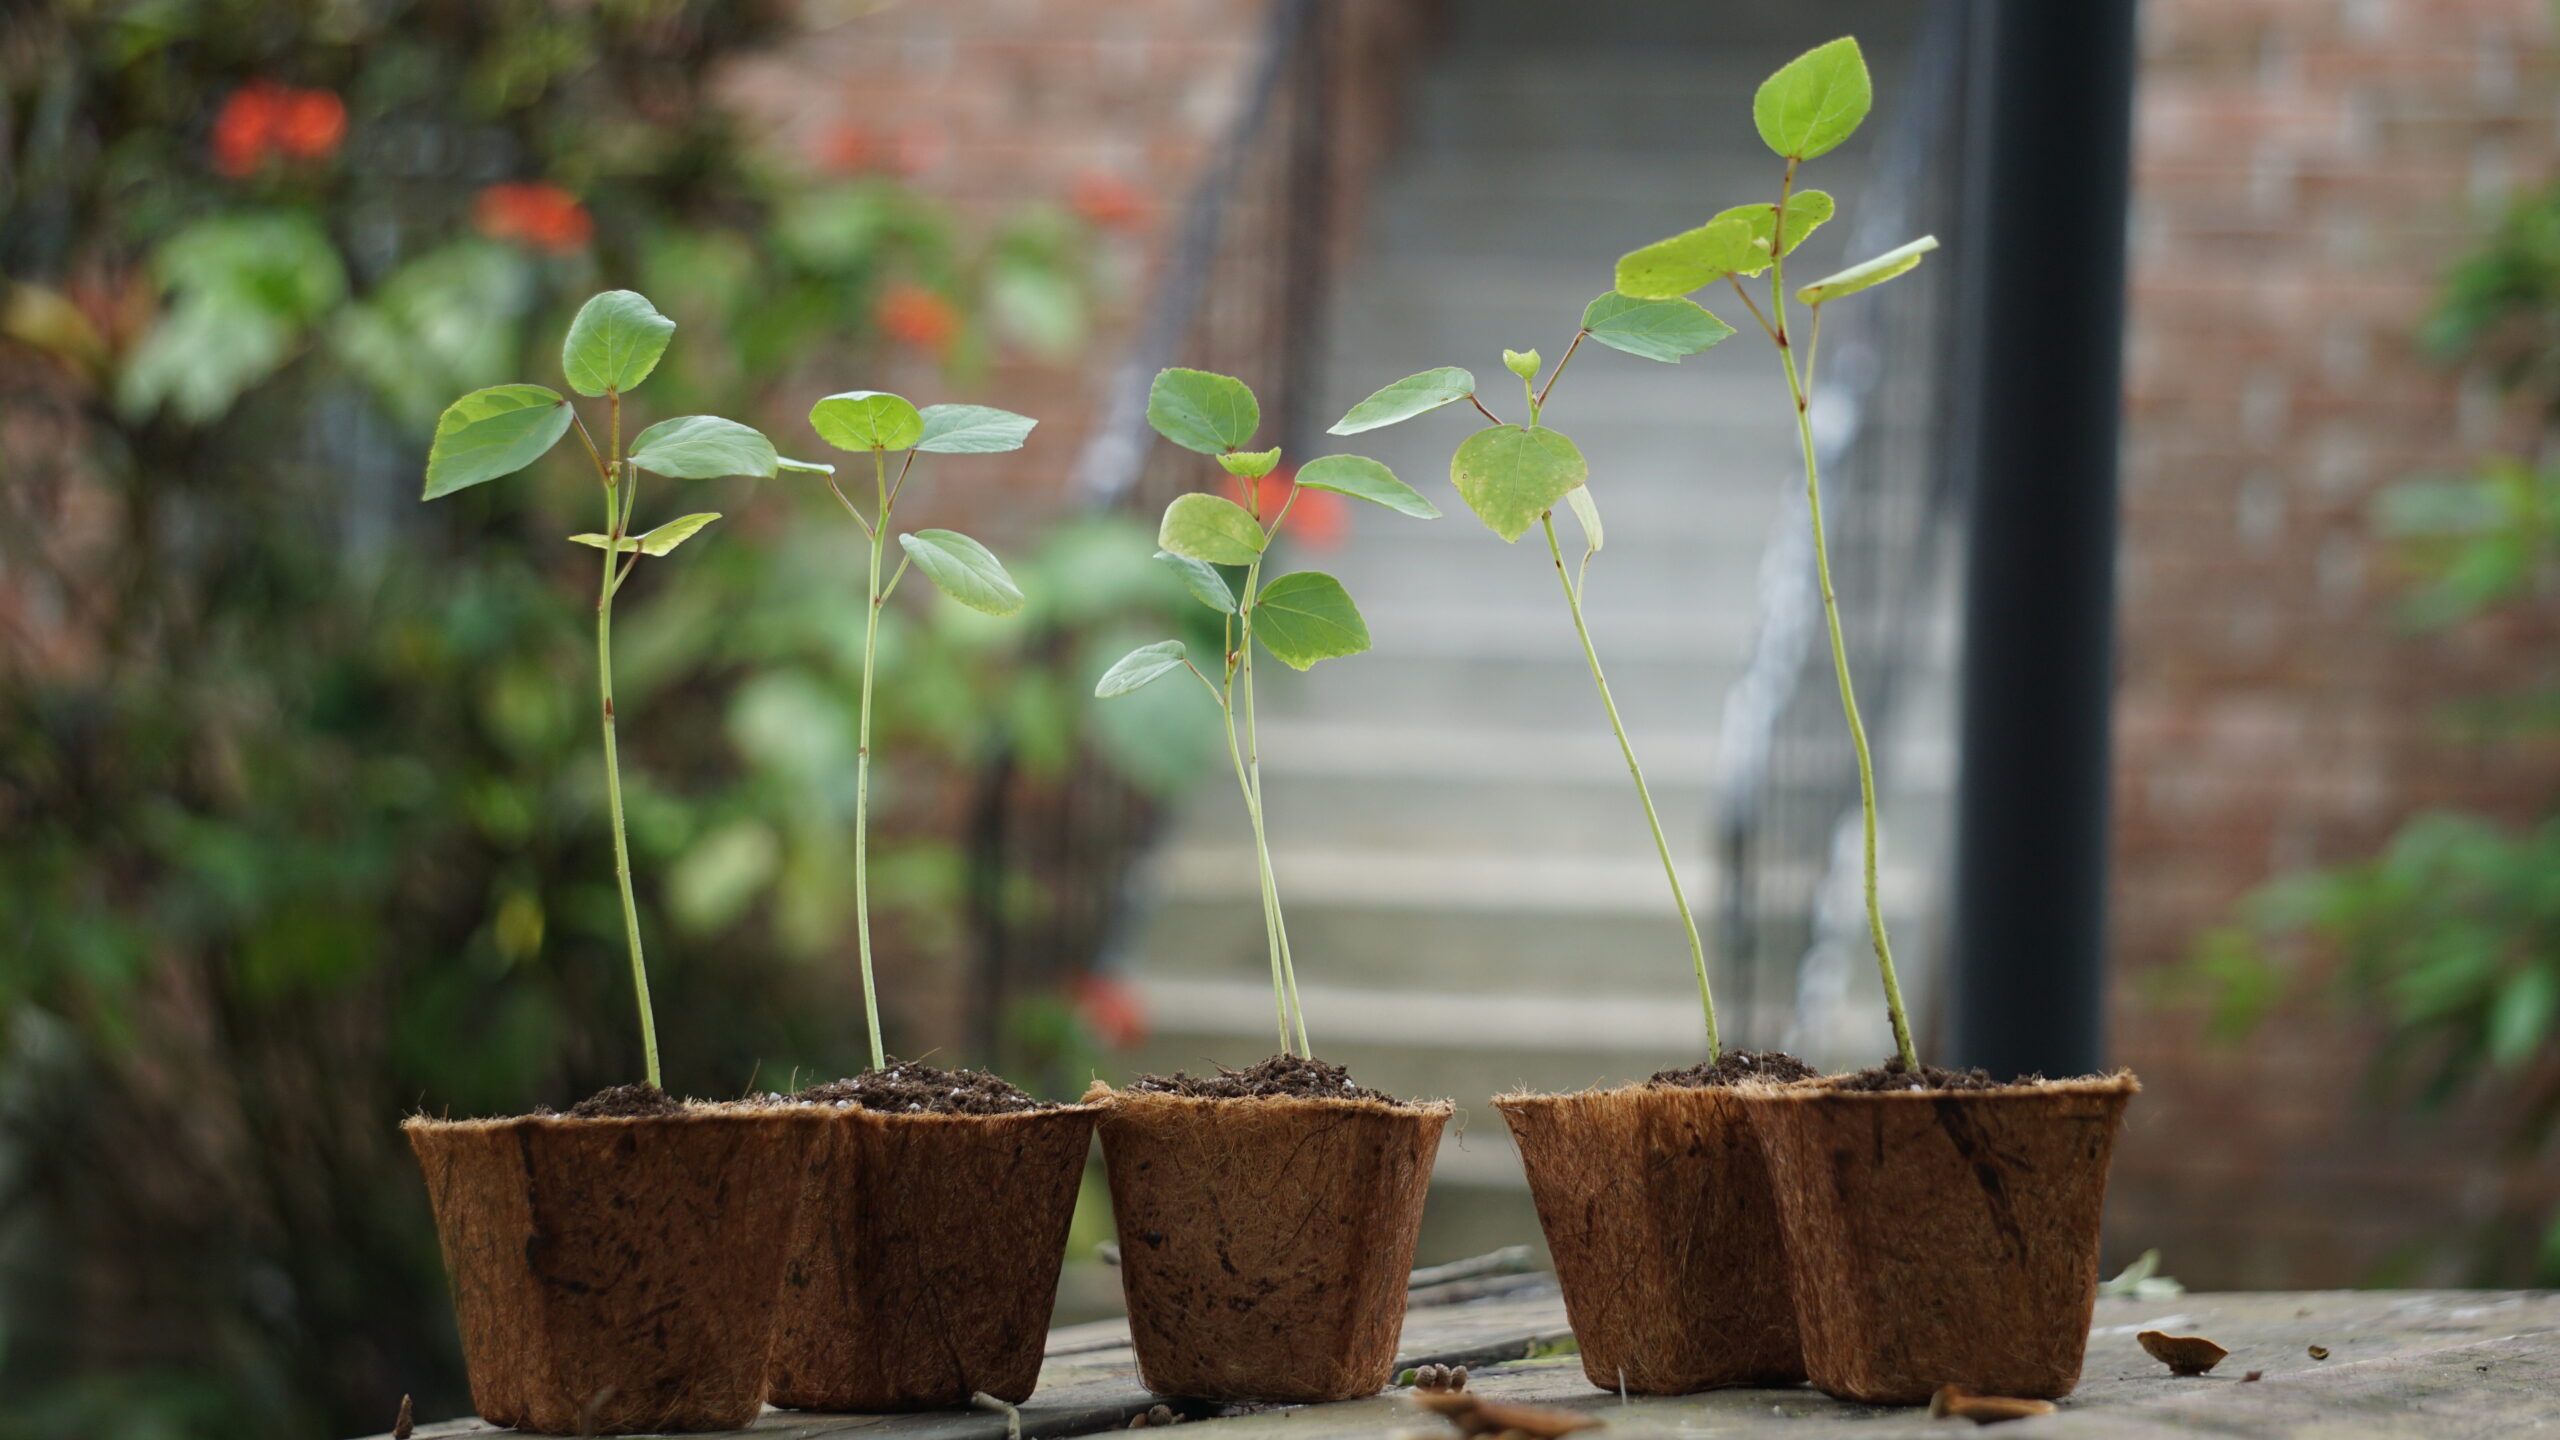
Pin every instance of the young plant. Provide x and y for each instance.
(881, 424)
(1218, 547)
(612, 345)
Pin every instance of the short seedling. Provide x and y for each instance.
(1218, 547)
(612, 345)
(879, 424)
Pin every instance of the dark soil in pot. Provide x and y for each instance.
(930, 1260)
(616, 1272)
(1267, 1220)
(1942, 1236)
(1657, 1208)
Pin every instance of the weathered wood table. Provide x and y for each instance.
(2433, 1364)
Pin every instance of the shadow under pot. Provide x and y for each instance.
(1657, 1207)
(929, 1263)
(1265, 1242)
(1943, 1237)
(617, 1275)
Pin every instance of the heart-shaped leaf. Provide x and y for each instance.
(1664, 330)
(703, 447)
(1510, 476)
(1806, 210)
(964, 570)
(1203, 581)
(1667, 269)
(1306, 617)
(1868, 273)
(1250, 464)
(1142, 666)
(867, 420)
(1365, 479)
(614, 343)
(972, 430)
(1211, 528)
(1815, 101)
(1201, 411)
(657, 542)
(1413, 395)
(494, 432)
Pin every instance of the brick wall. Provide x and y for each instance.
(2305, 170)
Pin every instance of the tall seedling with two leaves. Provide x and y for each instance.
(1218, 548)
(612, 345)
(880, 425)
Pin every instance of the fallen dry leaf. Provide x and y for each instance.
(2319, 1352)
(1480, 1417)
(2183, 1354)
(1955, 1403)
(2253, 1375)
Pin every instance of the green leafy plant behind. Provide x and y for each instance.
(1300, 618)
(612, 345)
(878, 423)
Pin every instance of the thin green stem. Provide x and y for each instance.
(1262, 859)
(616, 519)
(872, 600)
(1661, 845)
(1284, 965)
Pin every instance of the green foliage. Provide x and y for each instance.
(1203, 581)
(972, 430)
(614, 343)
(867, 420)
(964, 570)
(702, 447)
(494, 432)
(1140, 667)
(1305, 617)
(1362, 478)
(1413, 395)
(1814, 102)
(244, 291)
(1666, 330)
(1899, 260)
(1250, 464)
(657, 542)
(1806, 211)
(1509, 475)
(1524, 364)
(1211, 528)
(1667, 269)
(1200, 411)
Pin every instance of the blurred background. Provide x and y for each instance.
(301, 826)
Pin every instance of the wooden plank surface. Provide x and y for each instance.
(2433, 1364)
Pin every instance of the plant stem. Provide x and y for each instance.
(1270, 881)
(1661, 846)
(1798, 390)
(1270, 893)
(862, 760)
(617, 518)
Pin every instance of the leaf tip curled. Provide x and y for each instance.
(1140, 667)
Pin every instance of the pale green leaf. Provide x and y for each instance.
(1664, 330)
(703, 447)
(1211, 528)
(1806, 210)
(1868, 273)
(972, 430)
(614, 343)
(494, 432)
(802, 467)
(2521, 1016)
(1362, 478)
(1142, 666)
(964, 570)
(1510, 476)
(867, 420)
(1251, 464)
(1203, 581)
(1413, 395)
(1306, 617)
(1201, 411)
(657, 542)
(1815, 101)
(1523, 363)
(1586, 512)
(1667, 269)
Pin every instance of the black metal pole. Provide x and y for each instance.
(2044, 232)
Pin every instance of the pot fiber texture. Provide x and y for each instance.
(1657, 1207)
(930, 1259)
(1943, 1237)
(1265, 1242)
(617, 1276)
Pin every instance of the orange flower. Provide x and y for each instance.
(1319, 520)
(543, 216)
(1111, 1010)
(309, 124)
(845, 148)
(916, 316)
(262, 119)
(1109, 201)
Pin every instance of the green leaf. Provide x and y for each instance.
(1201, 411)
(2520, 1017)
(1523, 363)
(1815, 101)
(972, 430)
(494, 432)
(1806, 210)
(1306, 617)
(1211, 528)
(964, 570)
(1142, 666)
(802, 467)
(1668, 269)
(1510, 476)
(1362, 478)
(1202, 580)
(703, 447)
(867, 420)
(1413, 395)
(1664, 330)
(1251, 464)
(614, 343)
(1586, 512)
(1868, 273)
(657, 542)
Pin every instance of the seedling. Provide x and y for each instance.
(1218, 547)
(880, 424)
(1513, 476)
(612, 345)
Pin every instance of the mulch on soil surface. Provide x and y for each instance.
(910, 1089)
(1735, 1067)
(1281, 1075)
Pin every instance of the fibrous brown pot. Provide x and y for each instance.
(1656, 1205)
(1943, 1237)
(617, 1275)
(930, 1260)
(1265, 1242)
